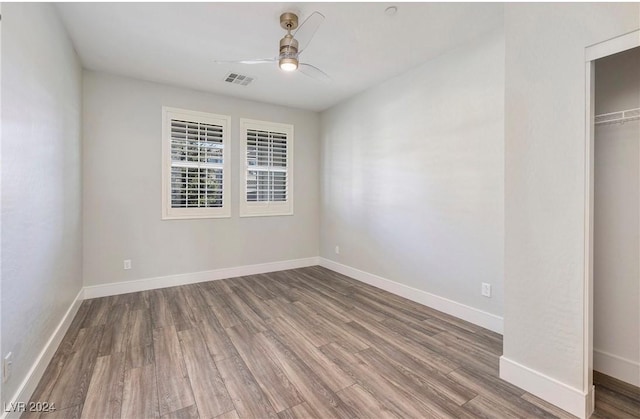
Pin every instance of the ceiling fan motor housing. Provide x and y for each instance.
(288, 46)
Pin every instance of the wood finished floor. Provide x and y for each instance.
(615, 398)
(291, 344)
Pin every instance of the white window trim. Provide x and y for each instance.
(262, 209)
(169, 213)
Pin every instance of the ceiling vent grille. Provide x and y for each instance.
(240, 79)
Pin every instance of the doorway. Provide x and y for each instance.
(612, 248)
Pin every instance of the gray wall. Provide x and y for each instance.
(122, 134)
(616, 283)
(41, 184)
(545, 181)
(412, 176)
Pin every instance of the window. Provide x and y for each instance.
(195, 172)
(266, 180)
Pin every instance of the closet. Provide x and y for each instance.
(616, 262)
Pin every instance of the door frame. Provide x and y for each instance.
(592, 53)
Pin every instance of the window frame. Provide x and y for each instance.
(169, 213)
(269, 208)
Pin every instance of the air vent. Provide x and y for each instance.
(240, 79)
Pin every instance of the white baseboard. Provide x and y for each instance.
(616, 367)
(568, 398)
(126, 287)
(30, 382)
(464, 312)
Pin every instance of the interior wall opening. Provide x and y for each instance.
(616, 227)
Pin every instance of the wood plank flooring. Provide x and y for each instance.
(615, 398)
(293, 344)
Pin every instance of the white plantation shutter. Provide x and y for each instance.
(267, 166)
(267, 176)
(196, 164)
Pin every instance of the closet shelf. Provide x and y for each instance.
(618, 117)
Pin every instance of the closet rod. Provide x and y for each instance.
(618, 117)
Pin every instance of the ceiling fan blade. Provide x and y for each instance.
(305, 32)
(314, 72)
(256, 61)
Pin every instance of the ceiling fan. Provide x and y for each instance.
(293, 45)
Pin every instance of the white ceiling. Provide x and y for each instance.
(358, 45)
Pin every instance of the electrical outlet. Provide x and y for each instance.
(337, 250)
(127, 264)
(7, 366)
(486, 289)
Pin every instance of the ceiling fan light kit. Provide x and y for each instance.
(288, 64)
